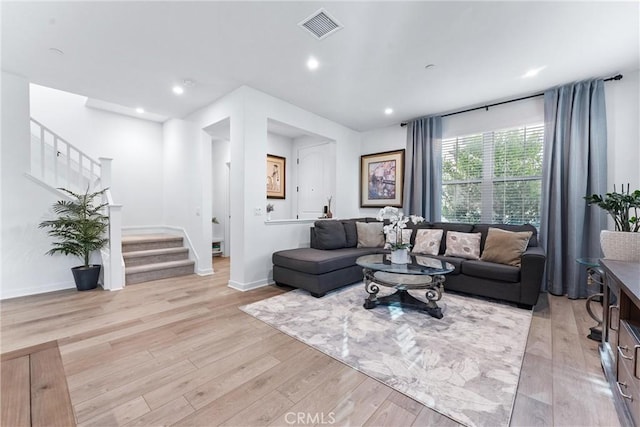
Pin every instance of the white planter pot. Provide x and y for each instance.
(620, 245)
(400, 256)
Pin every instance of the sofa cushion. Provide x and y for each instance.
(427, 241)
(370, 234)
(463, 245)
(330, 235)
(448, 226)
(317, 261)
(505, 247)
(350, 232)
(484, 228)
(491, 271)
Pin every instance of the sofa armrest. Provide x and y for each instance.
(533, 261)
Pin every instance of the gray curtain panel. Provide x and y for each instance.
(423, 168)
(574, 165)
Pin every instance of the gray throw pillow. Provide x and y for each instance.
(370, 234)
(330, 235)
(351, 233)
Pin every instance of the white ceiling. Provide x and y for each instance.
(131, 53)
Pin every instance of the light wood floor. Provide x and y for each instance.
(179, 351)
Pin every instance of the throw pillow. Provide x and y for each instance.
(428, 241)
(391, 237)
(463, 245)
(505, 247)
(370, 234)
(351, 233)
(330, 235)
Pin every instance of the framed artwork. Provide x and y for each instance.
(381, 179)
(276, 177)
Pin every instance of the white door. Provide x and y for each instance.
(316, 172)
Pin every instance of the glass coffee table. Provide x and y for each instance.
(421, 273)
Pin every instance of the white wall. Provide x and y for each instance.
(253, 240)
(220, 156)
(283, 146)
(25, 267)
(377, 141)
(135, 145)
(187, 186)
(623, 131)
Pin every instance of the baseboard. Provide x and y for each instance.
(249, 286)
(204, 271)
(50, 287)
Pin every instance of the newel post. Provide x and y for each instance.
(114, 277)
(105, 171)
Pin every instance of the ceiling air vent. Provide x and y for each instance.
(321, 24)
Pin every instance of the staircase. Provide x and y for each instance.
(150, 257)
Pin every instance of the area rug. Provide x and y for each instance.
(465, 366)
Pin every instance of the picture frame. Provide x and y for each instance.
(276, 177)
(382, 179)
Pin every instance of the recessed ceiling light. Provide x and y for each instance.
(139, 110)
(178, 90)
(388, 111)
(56, 51)
(533, 72)
(312, 63)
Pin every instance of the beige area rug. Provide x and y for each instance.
(465, 366)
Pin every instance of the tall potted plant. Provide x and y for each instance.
(79, 229)
(624, 243)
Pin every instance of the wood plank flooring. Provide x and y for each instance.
(179, 352)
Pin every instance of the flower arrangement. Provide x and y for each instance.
(619, 205)
(397, 222)
(270, 208)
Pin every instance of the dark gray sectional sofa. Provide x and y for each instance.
(330, 262)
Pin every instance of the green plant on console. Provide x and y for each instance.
(80, 226)
(619, 206)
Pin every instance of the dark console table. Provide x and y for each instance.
(620, 345)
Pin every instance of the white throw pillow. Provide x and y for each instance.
(391, 237)
(463, 245)
(370, 234)
(428, 241)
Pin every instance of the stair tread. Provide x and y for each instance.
(158, 266)
(143, 238)
(152, 252)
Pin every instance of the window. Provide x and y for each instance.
(493, 177)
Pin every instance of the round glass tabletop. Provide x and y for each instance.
(419, 265)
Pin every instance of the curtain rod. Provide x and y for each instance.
(616, 77)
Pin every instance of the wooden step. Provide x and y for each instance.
(154, 256)
(145, 242)
(157, 271)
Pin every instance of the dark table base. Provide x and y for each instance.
(402, 298)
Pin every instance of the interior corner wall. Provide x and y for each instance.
(623, 131)
(187, 186)
(135, 145)
(26, 269)
(254, 240)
